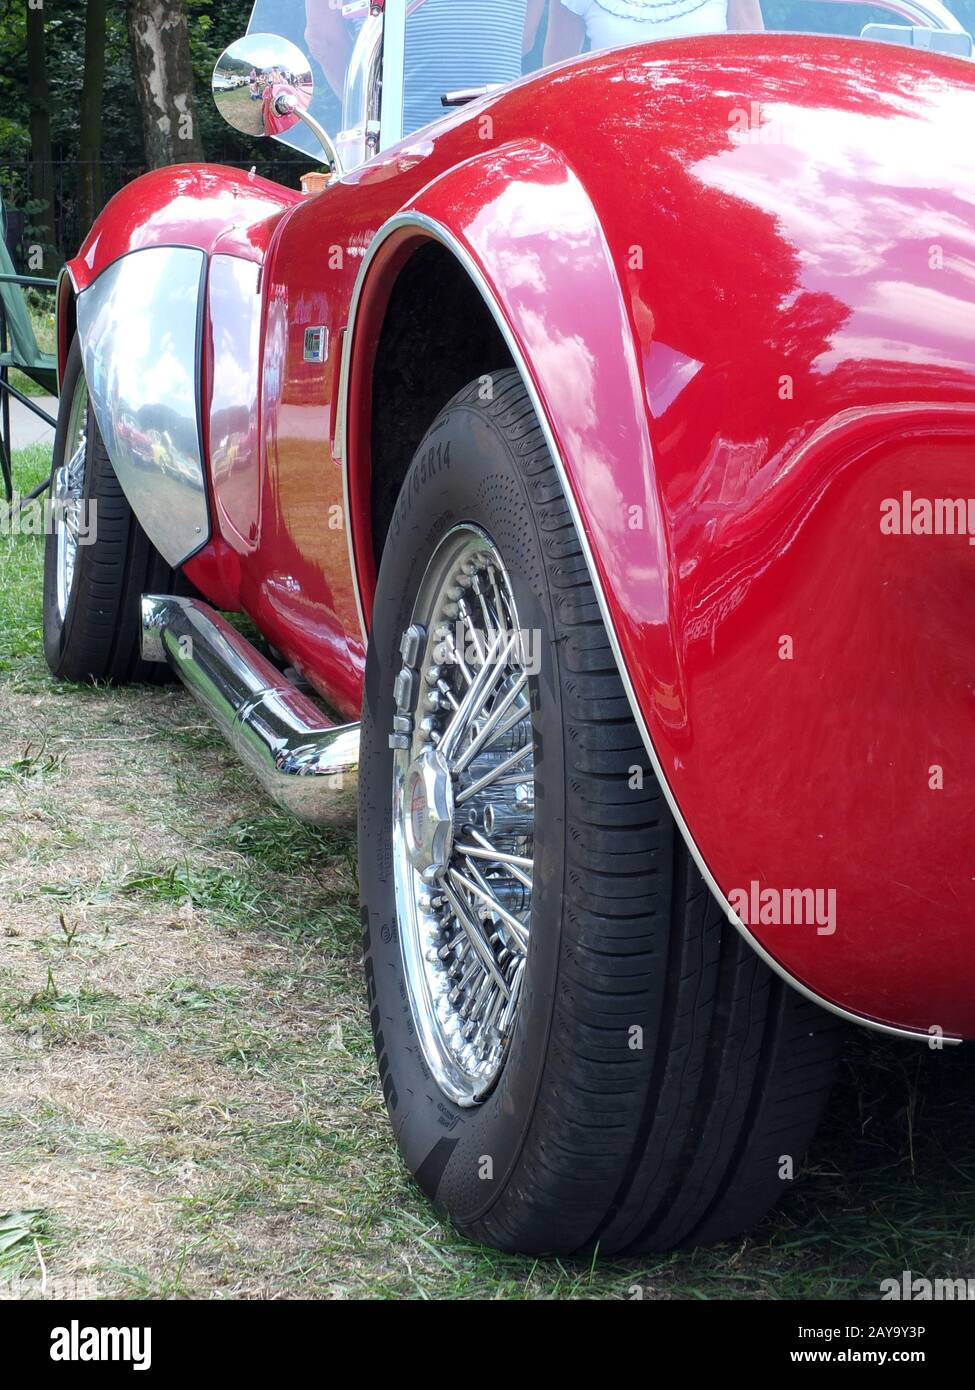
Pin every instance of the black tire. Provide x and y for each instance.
(99, 636)
(592, 1143)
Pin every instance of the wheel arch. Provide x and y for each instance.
(507, 228)
(66, 316)
(417, 359)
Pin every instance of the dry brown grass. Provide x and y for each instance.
(188, 1097)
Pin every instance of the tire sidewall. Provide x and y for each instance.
(463, 472)
(57, 630)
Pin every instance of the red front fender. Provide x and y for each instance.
(206, 205)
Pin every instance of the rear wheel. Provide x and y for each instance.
(98, 561)
(575, 1046)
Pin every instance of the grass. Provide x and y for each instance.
(189, 1104)
(21, 652)
(21, 1232)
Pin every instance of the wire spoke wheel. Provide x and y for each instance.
(577, 1049)
(68, 495)
(463, 813)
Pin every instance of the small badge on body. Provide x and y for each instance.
(316, 344)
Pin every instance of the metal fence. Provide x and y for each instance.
(63, 179)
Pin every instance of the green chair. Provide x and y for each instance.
(19, 351)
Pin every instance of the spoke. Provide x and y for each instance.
(506, 763)
(465, 613)
(502, 607)
(514, 863)
(474, 935)
(505, 1021)
(456, 948)
(520, 715)
(473, 1010)
(492, 1013)
(447, 693)
(469, 975)
(461, 663)
(492, 624)
(490, 725)
(508, 917)
(474, 696)
(517, 928)
(75, 468)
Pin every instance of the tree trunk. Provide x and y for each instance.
(90, 141)
(163, 72)
(42, 168)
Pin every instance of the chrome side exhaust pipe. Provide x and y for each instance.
(309, 766)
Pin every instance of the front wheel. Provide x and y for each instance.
(576, 1047)
(98, 561)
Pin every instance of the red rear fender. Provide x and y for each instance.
(744, 341)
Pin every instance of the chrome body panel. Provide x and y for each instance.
(235, 332)
(309, 766)
(140, 325)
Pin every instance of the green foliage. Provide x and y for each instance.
(213, 24)
(21, 1232)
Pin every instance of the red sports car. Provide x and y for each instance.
(594, 455)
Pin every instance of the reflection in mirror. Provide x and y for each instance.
(255, 78)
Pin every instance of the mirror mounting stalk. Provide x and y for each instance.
(286, 105)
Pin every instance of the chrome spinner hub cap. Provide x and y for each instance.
(463, 813)
(429, 814)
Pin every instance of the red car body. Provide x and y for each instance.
(743, 295)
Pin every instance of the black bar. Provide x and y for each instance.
(26, 400)
(696, 1337)
(6, 457)
(32, 496)
(40, 281)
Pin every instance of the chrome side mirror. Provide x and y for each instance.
(262, 85)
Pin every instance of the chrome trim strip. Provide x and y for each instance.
(360, 105)
(341, 451)
(394, 74)
(141, 329)
(309, 766)
(63, 274)
(428, 225)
